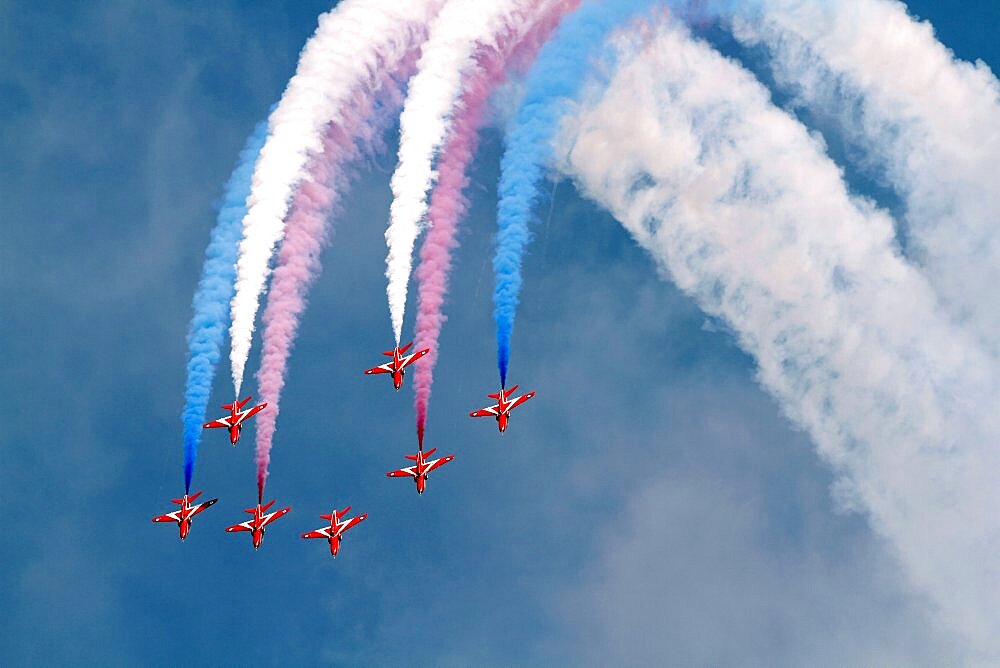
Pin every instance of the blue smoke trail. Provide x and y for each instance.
(211, 299)
(554, 80)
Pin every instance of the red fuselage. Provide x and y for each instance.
(257, 532)
(334, 545)
(237, 428)
(421, 478)
(186, 512)
(397, 369)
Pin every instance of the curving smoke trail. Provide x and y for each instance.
(357, 135)
(553, 81)
(747, 214)
(459, 30)
(211, 300)
(448, 206)
(355, 42)
(929, 122)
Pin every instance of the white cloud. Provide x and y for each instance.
(746, 213)
(930, 121)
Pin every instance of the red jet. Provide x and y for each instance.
(501, 410)
(336, 530)
(234, 421)
(184, 515)
(399, 362)
(259, 521)
(422, 467)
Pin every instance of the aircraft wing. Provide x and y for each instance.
(221, 422)
(521, 399)
(242, 526)
(410, 359)
(489, 411)
(270, 517)
(381, 368)
(408, 472)
(201, 506)
(318, 533)
(250, 412)
(169, 517)
(435, 463)
(354, 521)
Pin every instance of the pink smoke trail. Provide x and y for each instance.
(448, 205)
(306, 234)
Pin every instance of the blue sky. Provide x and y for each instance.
(650, 504)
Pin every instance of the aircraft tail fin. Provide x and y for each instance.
(343, 512)
(430, 452)
(177, 501)
(511, 390)
(193, 497)
(412, 458)
(402, 351)
(236, 405)
(268, 505)
(326, 517)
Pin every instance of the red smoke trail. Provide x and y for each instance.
(448, 205)
(306, 233)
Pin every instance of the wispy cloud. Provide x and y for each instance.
(746, 213)
(929, 121)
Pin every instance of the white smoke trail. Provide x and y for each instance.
(930, 121)
(460, 28)
(354, 43)
(745, 212)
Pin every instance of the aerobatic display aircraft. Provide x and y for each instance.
(505, 404)
(234, 421)
(422, 467)
(259, 521)
(186, 513)
(400, 360)
(337, 528)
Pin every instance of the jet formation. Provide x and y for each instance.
(234, 421)
(333, 533)
(421, 468)
(337, 528)
(502, 408)
(399, 362)
(187, 512)
(256, 524)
